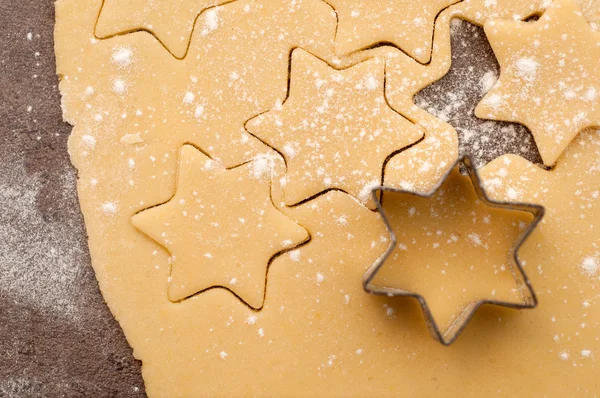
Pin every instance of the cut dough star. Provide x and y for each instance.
(220, 227)
(452, 251)
(171, 22)
(335, 129)
(550, 80)
(407, 24)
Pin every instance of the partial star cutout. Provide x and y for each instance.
(221, 228)
(550, 79)
(407, 24)
(335, 129)
(475, 67)
(171, 22)
(453, 250)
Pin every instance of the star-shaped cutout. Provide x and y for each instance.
(407, 24)
(550, 79)
(171, 22)
(453, 250)
(335, 129)
(221, 228)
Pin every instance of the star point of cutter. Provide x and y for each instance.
(221, 229)
(335, 130)
(407, 24)
(425, 260)
(550, 79)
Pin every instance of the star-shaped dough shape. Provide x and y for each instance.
(221, 228)
(453, 250)
(335, 129)
(407, 24)
(550, 79)
(171, 22)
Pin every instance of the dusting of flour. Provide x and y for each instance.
(41, 258)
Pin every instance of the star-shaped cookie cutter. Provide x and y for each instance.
(450, 336)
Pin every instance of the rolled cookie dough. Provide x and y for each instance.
(318, 332)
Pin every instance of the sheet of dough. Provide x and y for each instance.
(318, 332)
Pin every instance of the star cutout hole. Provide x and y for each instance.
(453, 251)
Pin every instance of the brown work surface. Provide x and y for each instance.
(57, 336)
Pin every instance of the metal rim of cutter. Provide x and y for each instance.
(461, 322)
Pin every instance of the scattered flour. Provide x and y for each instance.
(89, 141)
(295, 255)
(512, 193)
(494, 101)
(119, 86)
(365, 193)
(109, 208)
(263, 165)
(591, 94)
(131, 139)
(211, 21)
(42, 258)
(188, 97)
(590, 265)
(475, 238)
(122, 56)
(488, 81)
(342, 220)
(389, 311)
(527, 68)
(586, 353)
(320, 277)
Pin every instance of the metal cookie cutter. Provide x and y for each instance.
(450, 336)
